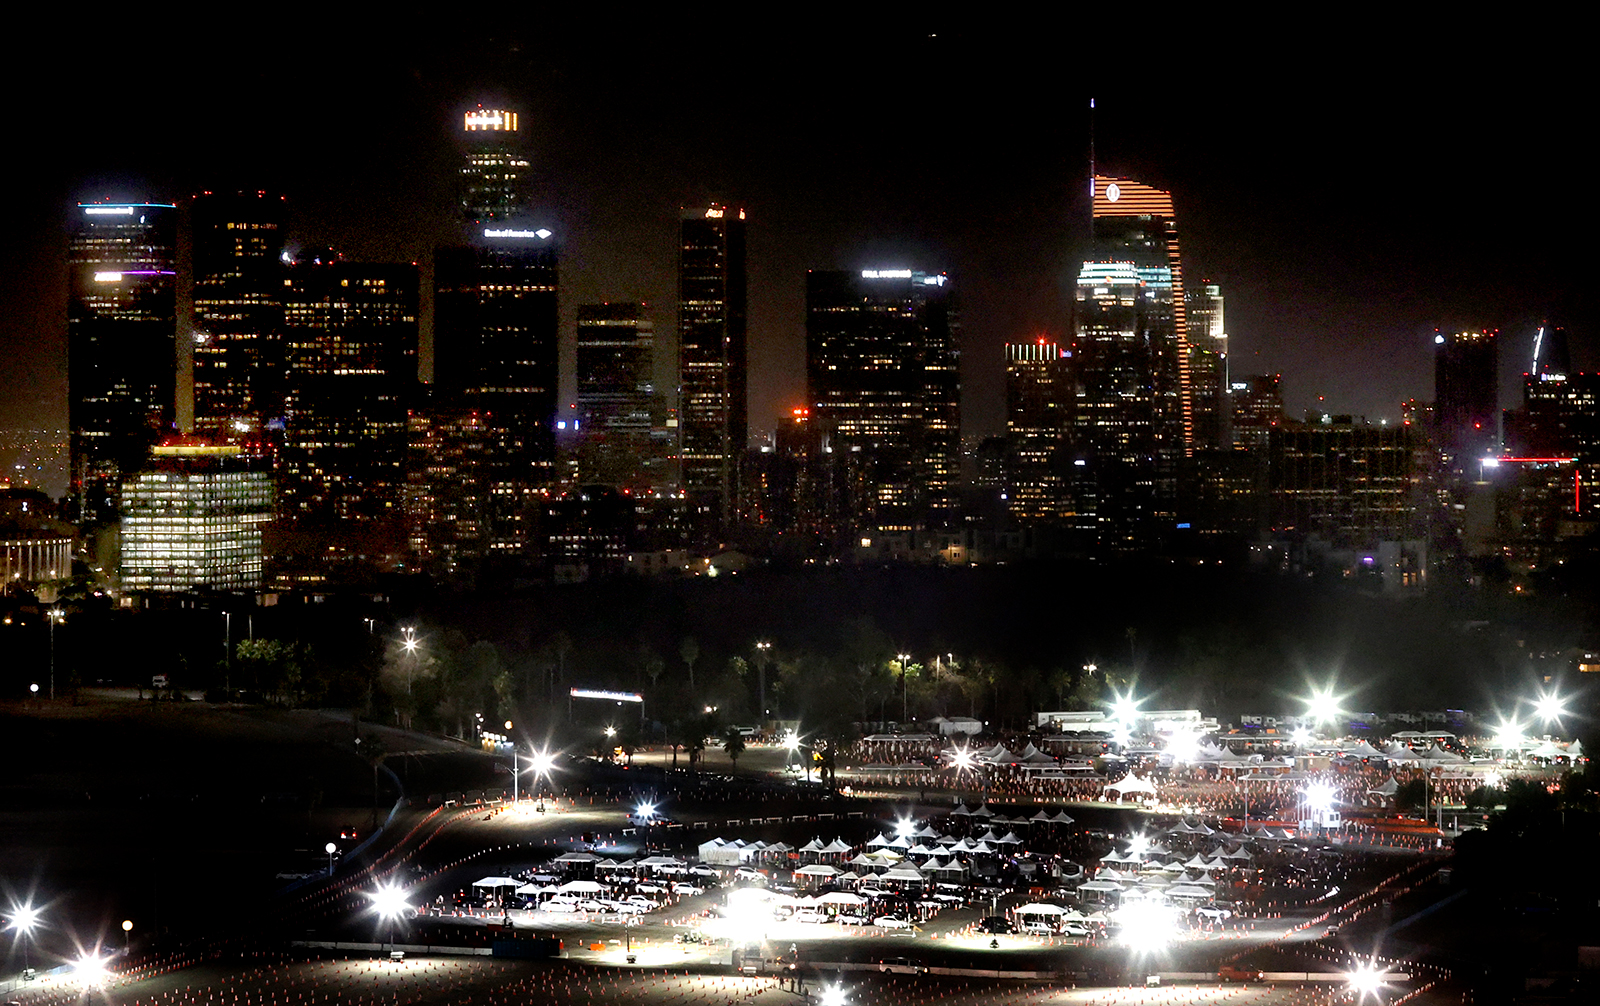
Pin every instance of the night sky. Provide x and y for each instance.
(1344, 226)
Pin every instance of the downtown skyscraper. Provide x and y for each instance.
(350, 350)
(618, 409)
(496, 333)
(238, 316)
(712, 362)
(1135, 407)
(121, 345)
(1039, 407)
(883, 381)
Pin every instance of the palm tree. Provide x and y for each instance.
(733, 744)
(689, 650)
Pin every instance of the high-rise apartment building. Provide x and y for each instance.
(496, 339)
(712, 361)
(1466, 394)
(121, 345)
(883, 379)
(1208, 368)
(238, 314)
(1039, 400)
(192, 519)
(617, 404)
(494, 167)
(350, 350)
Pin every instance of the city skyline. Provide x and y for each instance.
(1320, 286)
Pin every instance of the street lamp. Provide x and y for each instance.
(330, 849)
(54, 615)
(540, 763)
(763, 654)
(904, 658)
(410, 644)
(127, 934)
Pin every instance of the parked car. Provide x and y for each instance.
(640, 900)
(687, 889)
(900, 966)
(703, 871)
(560, 907)
(1074, 929)
(1038, 929)
(995, 924)
(846, 919)
(649, 888)
(809, 915)
(746, 873)
(890, 922)
(591, 905)
(1237, 973)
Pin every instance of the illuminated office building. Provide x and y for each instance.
(1208, 369)
(1466, 394)
(1550, 351)
(350, 347)
(1039, 400)
(494, 167)
(447, 485)
(497, 352)
(192, 520)
(883, 380)
(1343, 480)
(238, 314)
(121, 344)
(1134, 414)
(1134, 224)
(712, 377)
(617, 404)
(1257, 406)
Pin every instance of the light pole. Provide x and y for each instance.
(330, 849)
(410, 645)
(540, 765)
(54, 615)
(763, 654)
(904, 659)
(127, 936)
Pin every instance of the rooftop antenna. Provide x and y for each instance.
(1091, 162)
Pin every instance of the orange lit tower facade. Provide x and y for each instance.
(1135, 223)
(1134, 410)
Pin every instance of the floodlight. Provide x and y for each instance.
(389, 901)
(1322, 706)
(1319, 797)
(90, 969)
(1549, 707)
(24, 919)
(1365, 979)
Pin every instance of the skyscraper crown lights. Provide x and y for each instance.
(490, 119)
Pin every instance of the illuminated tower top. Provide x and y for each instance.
(493, 168)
